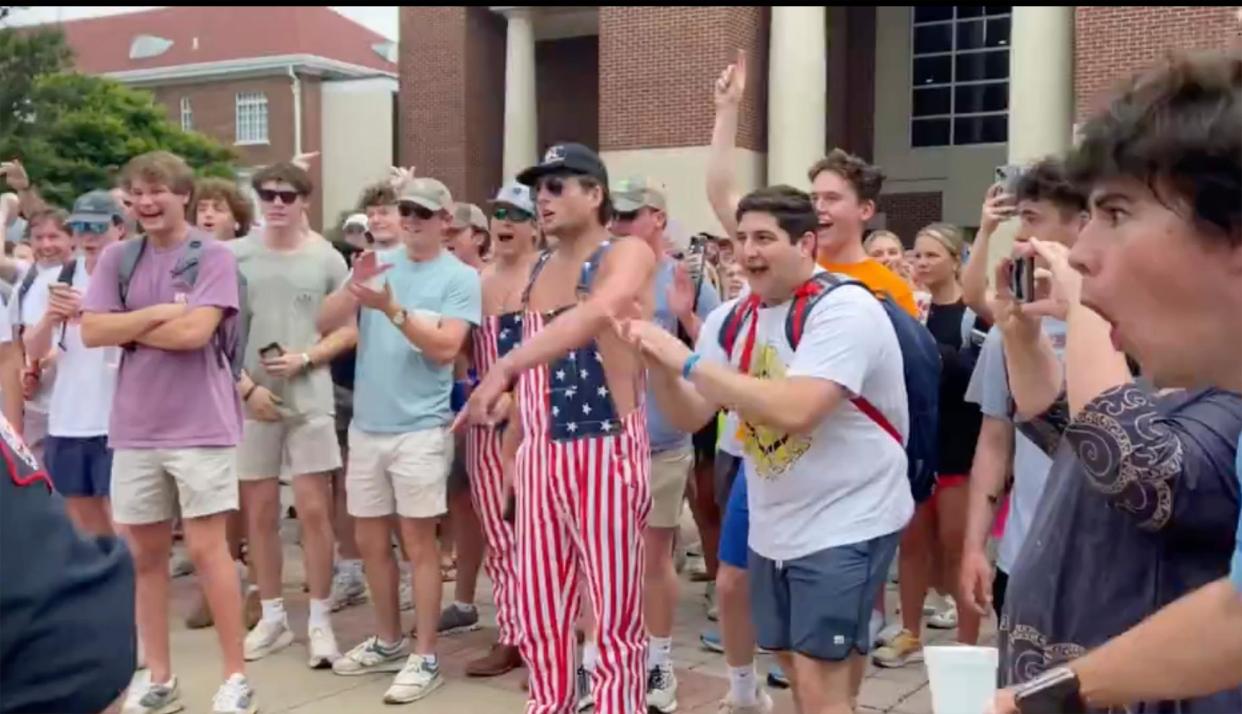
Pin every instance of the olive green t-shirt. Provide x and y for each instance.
(284, 290)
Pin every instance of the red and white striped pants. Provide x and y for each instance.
(487, 488)
(582, 510)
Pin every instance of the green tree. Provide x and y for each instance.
(74, 132)
(26, 55)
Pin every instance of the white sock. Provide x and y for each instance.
(659, 651)
(590, 656)
(319, 615)
(742, 687)
(464, 606)
(273, 610)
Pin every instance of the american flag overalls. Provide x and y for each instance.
(583, 489)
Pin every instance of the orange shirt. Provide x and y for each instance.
(880, 279)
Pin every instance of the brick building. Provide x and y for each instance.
(937, 95)
(270, 82)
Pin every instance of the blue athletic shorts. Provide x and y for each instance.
(79, 466)
(735, 528)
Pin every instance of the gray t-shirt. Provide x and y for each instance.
(989, 388)
(284, 291)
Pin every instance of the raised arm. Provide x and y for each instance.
(722, 191)
(997, 208)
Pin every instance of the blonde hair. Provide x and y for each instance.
(877, 236)
(947, 235)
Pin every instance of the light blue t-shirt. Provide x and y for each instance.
(1235, 573)
(398, 390)
(662, 435)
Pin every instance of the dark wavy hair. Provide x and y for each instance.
(793, 210)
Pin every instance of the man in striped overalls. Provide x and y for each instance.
(582, 466)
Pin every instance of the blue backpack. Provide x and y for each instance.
(920, 357)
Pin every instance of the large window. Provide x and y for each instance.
(251, 118)
(187, 115)
(960, 80)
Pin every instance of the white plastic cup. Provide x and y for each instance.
(963, 679)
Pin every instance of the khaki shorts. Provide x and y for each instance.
(280, 448)
(149, 484)
(406, 474)
(670, 470)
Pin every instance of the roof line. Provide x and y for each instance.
(200, 70)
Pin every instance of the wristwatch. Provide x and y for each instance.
(306, 360)
(398, 318)
(1053, 692)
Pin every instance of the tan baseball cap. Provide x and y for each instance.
(428, 193)
(468, 214)
(635, 192)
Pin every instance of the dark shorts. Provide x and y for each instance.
(458, 479)
(344, 399)
(79, 466)
(725, 467)
(705, 443)
(735, 526)
(820, 605)
(1000, 583)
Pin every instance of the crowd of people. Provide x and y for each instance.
(538, 387)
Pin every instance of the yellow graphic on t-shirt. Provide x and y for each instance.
(773, 452)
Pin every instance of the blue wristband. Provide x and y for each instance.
(688, 367)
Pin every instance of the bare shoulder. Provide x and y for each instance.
(630, 256)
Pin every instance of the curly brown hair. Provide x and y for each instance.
(380, 193)
(866, 179)
(793, 210)
(215, 189)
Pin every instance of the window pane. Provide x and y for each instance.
(933, 38)
(933, 70)
(975, 98)
(1003, 10)
(928, 102)
(980, 130)
(929, 132)
(998, 32)
(932, 13)
(969, 11)
(983, 65)
(970, 35)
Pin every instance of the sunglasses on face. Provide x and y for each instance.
(626, 216)
(408, 210)
(92, 228)
(554, 183)
(268, 195)
(516, 215)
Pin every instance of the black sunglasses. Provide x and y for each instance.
(555, 183)
(506, 213)
(626, 216)
(268, 195)
(422, 213)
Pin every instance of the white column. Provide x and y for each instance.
(520, 118)
(1041, 82)
(797, 92)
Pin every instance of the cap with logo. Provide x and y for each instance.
(428, 193)
(566, 158)
(515, 195)
(635, 192)
(96, 207)
(357, 220)
(469, 215)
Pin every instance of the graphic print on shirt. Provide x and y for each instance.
(773, 452)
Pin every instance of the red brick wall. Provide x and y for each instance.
(1112, 43)
(906, 213)
(657, 68)
(567, 87)
(851, 79)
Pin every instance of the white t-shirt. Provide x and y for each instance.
(846, 481)
(27, 313)
(81, 399)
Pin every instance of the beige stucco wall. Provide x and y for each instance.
(357, 140)
(683, 171)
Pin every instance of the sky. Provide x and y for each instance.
(380, 19)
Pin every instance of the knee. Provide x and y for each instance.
(148, 560)
(731, 582)
(262, 505)
(314, 515)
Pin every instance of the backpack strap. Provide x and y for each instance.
(28, 281)
(131, 253)
(534, 275)
(732, 325)
(187, 265)
(67, 271)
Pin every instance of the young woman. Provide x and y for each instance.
(886, 247)
(931, 547)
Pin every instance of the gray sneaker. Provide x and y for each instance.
(454, 619)
(348, 588)
(146, 697)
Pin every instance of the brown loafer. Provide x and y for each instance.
(500, 659)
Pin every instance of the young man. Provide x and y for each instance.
(469, 239)
(289, 428)
(1050, 208)
(513, 248)
(355, 231)
(52, 241)
(379, 203)
(582, 466)
(76, 450)
(640, 210)
(821, 548)
(420, 303)
(176, 417)
(1161, 259)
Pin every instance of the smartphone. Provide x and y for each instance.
(272, 350)
(1022, 279)
(1008, 176)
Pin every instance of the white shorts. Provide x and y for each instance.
(280, 448)
(149, 484)
(406, 474)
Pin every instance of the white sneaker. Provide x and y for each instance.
(369, 657)
(417, 679)
(406, 592)
(146, 697)
(887, 634)
(234, 697)
(662, 689)
(266, 638)
(323, 649)
(763, 704)
(179, 564)
(944, 618)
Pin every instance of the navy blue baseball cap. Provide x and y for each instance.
(567, 158)
(96, 207)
